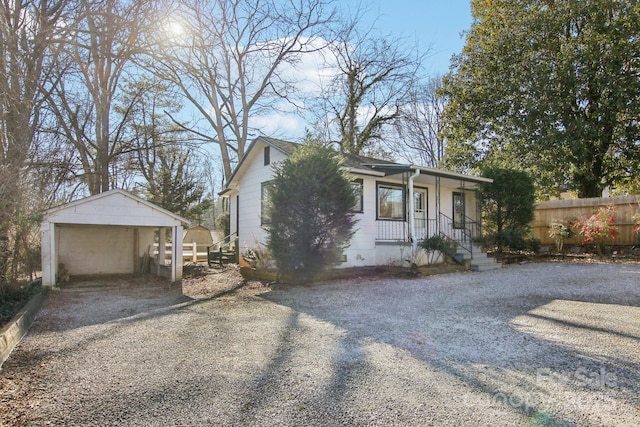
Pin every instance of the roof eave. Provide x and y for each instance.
(400, 168)
(452, 175)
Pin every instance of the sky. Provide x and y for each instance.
(429, 22)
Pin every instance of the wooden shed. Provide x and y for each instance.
(109, 233)
(197, 240)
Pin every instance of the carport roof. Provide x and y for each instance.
(114, 207)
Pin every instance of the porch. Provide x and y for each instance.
(400, 231)
(462, 233)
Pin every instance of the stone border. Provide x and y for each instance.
(348, 273)
(321, 276)
(12, 332)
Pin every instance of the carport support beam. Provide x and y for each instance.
(49, 255)
(162, 249)
(176, 253)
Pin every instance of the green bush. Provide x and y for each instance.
(508, 204)
(532, 244)
(511, 239)
(14, 297)
(434, 243)
(434, 246)
(310, 213)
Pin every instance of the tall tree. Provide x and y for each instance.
(106, 37)
(375, 75)
(419, 124)
(159, 149)
(551, 85)
(28, 48)
(509, 201)
(228, 59)
(172, 181)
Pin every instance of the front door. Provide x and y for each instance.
(420, 209)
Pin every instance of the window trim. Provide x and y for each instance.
(263, 209)
(267, 155)
(458, 225)
(426, 199)
(403, 189)
(360, 183)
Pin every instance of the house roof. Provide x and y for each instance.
(90, 210)
(358, 164)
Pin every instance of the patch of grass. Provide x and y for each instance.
(14, 297)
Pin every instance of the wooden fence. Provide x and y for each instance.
(624, 206)
(191, 252)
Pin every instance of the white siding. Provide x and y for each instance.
(364, 250)
(105, 234)
(115, 209)
(250, 190)
(96, 249)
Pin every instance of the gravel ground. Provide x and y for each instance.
(549, 344)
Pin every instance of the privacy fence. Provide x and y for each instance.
(625, 207)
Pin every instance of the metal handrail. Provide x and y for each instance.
(226, 239)
(224, 243)
(461, 236)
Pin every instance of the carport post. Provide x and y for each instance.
(176, 253)
(49, 255)
(162, 249)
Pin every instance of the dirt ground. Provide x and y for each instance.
(543, 344)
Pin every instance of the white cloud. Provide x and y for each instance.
(279, 125)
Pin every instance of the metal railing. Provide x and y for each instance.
(392, 231)
(461, 234)
(216, 252)
(225, 242)
(398, 231)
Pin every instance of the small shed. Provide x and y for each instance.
(109, 233)
(197, 240)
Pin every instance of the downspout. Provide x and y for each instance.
(412, 212)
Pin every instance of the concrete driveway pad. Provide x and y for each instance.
(535, 344)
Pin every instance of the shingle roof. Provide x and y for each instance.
(350, 160)
(353, 161)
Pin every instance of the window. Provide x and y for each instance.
(265, 202)
(390, 202)
(267, 155)
(357, 190)
(419, 200)
(458, 210)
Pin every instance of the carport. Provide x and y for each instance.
(110, 233)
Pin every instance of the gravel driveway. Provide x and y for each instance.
(548, 344)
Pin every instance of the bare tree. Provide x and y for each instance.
(164, 166)
(374, 77)
(419, 124)
(27, 51)
(229, 61)
(106, 36)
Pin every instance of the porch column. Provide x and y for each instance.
(478, 213)
(438, 228)
(412, 211)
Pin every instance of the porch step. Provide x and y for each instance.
(479, 262)
(221, 258)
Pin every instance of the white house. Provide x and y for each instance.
(109, 233)
(390, 222)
